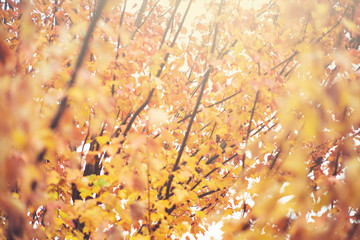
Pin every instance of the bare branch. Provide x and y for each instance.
(138, 111)
(169, 23)
(84, 48)
(225, 99)
(183, 144)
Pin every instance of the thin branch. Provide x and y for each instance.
(118, 44)
(336, 164)
(123, 14)
(196, 184)
(216, 29)
(168, 186)
(275, 158)
(86, 138)
(186, 117)
(230, 158)
(53, 22)
(351, 232)
(220, 56)
(257, 131)
(147, 16)
(169, 23)
(208, 193)
(212, 131)
(208, 174)
(249, 127)
(181, 24)
(286, 60)
(175, 37)
(205, 126)
(84, 48)
(333, 27)
(148, 193)
(266, 9)
(252, 114)
(183, 144)
(139, 17)
(314, 42)
(305, 27)
(227, 98)
(160, 16)
(212, 159)
(138, 111)
(264, 125)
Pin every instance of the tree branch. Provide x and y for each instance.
(286, 60)
(208, 193)
(181, 24)
(226, 161)
(183, 144)
(147, 16)
(187, 116)
(276, 157)
(252, 115)
(208, 174)
(333, 27)
(78, 64)
(249, 128)
(175, 37)
(216, 29)
(169, 23)
(138, 111)
(139, 17)
(225, 99)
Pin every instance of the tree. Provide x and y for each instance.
(119, 119)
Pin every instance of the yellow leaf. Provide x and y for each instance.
(124, 36)
(180, 195)
(157, 116)
(102, 140)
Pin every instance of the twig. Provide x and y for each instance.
(175, 37)
(205, 126)
(183, 144)
(198, 182)
(148, 193)
(212, 131)
(208, 193)
(169, 23)
(138, 111)
(208, 174)
(274, 160)
(139, 17)
(252, 115)
(227, 98)
(187, 116)
(84, 48)
(216, 28)
(230, 158)
(53, 22)
(147, 16)
(333, 27)
(286, 60)
(249, 128)
(181, 24)
(220, 56)
(336, 164)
